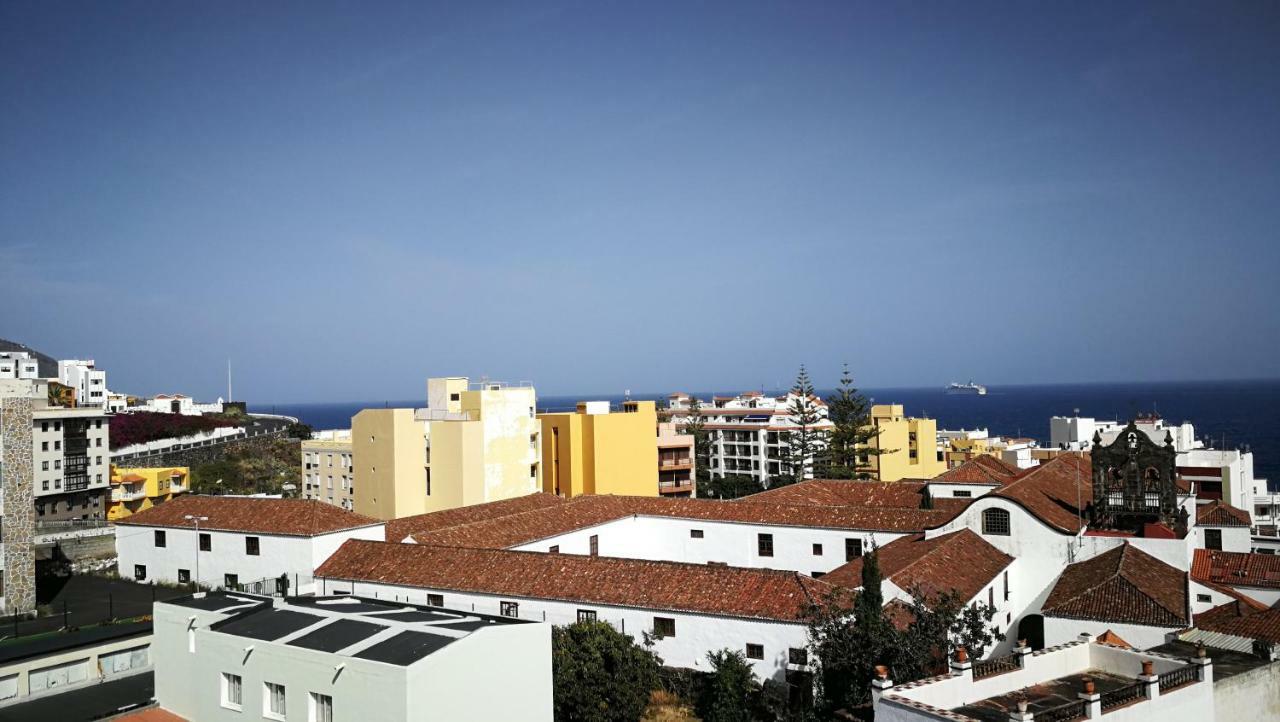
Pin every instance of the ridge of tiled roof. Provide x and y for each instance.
(1242, 620)
(906, 494)
(960, 561)
(1218, 513)
(398, 529)
(590, 510)
(981, 469)
(1049, 491)
(1236, 568)
(1122, 585)
(1115, 640)
(675, 586)
(288, 517)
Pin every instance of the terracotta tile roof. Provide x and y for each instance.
(289, 517)
(151, 714)
(398, 529)
(1049, 491)
(1125, 586)
(1240, 619)
(834, 492)
(590, 510)
(1110, 637)
(961, 561)
(1236, 569)
(1216, 513)
(981, 469)
(674, 586)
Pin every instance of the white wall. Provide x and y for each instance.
(277, 555)
(696, 634)
(1059, 630)
(736, 544)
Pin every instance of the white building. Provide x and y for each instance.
(1076, 433)
(222, 657)
(89, 382)
(18, 365)
(72, 460)
(180, 404)
(749, 432)
(226, 542)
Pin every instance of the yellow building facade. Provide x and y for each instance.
(468, 446)
(593, 451)
(911, 445)
(134, 489)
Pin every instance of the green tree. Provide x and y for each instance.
(299, 430)
(730, 486)
(805, 440)
(729, 690)
(852, 439)
(696, 426)
(600, 674)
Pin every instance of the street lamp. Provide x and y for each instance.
(197, 520)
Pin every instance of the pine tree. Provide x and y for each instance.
(853, 436)
(806, 440)
(696, 426)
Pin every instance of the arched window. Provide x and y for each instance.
(996, 522)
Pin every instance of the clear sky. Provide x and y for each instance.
(347, 198)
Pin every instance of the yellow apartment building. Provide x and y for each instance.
(327, 468)
(912, 444)
(592, 451)
(473, 443)
(134, 489)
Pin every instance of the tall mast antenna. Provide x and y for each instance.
(229, 397)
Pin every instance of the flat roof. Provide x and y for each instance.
(381, 631)
(1043, 696)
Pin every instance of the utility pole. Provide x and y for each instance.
(229, 380)
(197, 520)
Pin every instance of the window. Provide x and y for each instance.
(206, 542)
(184, 576)
(232, 692)
(435, 600)
(1006, 586)
(817, 550)
(991, 596)
(852, 549)
(230, 581)
(587, 615)
(798, 655)
(159, 538)
(273, 700)
(455, 397)
(320, 708)
(139, 571)
(664, 627)
(1213, 539)
(44, 466)
(764, 545)
(962, 494)
(1203, 598)
(755, 651)
(533, 471)
(555, 549)
(817, 575)
(251, 546)
(510, 609)
(44, 446)
(695, 533)
(995, 522)
(595, 545)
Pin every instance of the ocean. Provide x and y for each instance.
(1226, 414)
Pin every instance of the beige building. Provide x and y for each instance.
(675, 462)
(473, 443)
(911, 445)
(328, 472)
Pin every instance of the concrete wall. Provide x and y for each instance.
(1252, 696)
(606, 453)
(510, 425)
(87, 666)
(388, 447)
(210, 451)
(516, 659)
(1058, 630)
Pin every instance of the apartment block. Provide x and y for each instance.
(72, 462)
(135, 489)
(676, 473)
(593, 451)
(910, 445)
(473, 443)
(89, 382)
(18, 365)
(328, 468)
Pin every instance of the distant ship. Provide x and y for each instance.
(969, 388)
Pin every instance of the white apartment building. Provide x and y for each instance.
(18, 365)
(328, 471)
(72, 462)
(224, 657)
(226, 542)
(89, 382)
(748, 432)
(1075, 433)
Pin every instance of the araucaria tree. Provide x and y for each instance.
(600, 674)
(696, 426)
(853, 436)
(806, 439)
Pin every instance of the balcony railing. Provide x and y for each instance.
(1122, 696)
(1179, 677)
(1064, 713)
(997, 665)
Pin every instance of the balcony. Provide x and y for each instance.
(128, 492)
(675, 463)
(675, 487)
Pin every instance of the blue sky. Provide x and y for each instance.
(346, 198)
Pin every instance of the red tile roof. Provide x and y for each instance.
(674, 586)
(961, 562)
(1110, 637)
(1050, 491)
(289, 517)
(1236, 569)
(398, 529)
(590, 510)
(151, 714)
(981, 469)
(1216, 513)
(1125, 586)
(833, 492)
(1241, 619)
